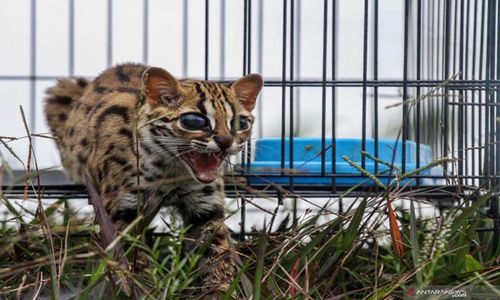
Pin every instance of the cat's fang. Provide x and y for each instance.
(205, 166)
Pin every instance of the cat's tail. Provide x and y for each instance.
(60, 100)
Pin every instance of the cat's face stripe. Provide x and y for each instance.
(203, 98)
(104, 118)
(207, 120)
(144, 140)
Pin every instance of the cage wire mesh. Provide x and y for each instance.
(408, 81)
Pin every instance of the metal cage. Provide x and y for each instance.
(448, 93)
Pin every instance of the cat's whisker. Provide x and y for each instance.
(164, 137)
(165, 140)
(162, 153)
(175, 156)
(180, 154)
(163, 146)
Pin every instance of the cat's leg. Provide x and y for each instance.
(122, 208)
(217, 263)
(207, 229)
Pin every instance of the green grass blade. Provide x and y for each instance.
(352, 231)
(414, 242)
(261, 257)
(347, 238)
(468, 212)
(236, 282)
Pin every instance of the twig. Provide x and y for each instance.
(108, 230)
(30, 151)
(20, 288)
(37, 292)
(7, 137)
(11, 151)
(426, 95)
(40, 212)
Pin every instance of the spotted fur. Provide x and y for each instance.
(124, 129)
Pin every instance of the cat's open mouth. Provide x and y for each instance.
(205, 166)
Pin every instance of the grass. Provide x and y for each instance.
(352, 255)
(373, 250)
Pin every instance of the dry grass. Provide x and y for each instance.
(353, 255)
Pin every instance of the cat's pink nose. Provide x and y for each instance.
(223, 141)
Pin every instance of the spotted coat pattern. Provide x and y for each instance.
(124, 131)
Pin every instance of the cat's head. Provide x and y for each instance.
(200, 122)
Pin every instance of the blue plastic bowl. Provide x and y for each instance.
(307, 160)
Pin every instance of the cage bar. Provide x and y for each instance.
(449, 37)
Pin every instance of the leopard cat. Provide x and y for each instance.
(145, 138)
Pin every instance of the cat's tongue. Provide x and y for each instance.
(204, 166)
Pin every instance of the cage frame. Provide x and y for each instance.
(451, 22)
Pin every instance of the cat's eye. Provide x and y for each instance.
(242, 124)
(193, 121)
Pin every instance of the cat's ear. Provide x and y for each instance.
(247, 89)
(161, 87)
